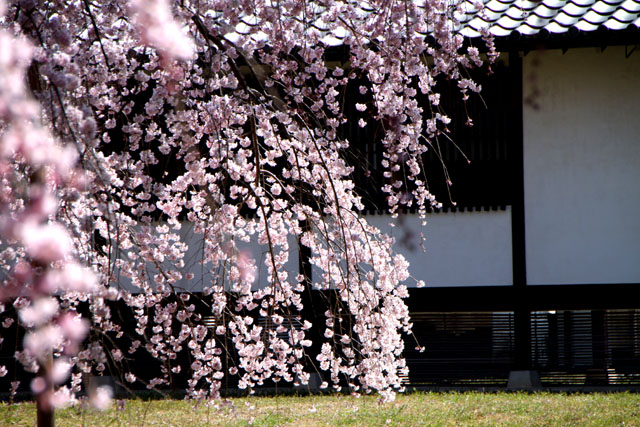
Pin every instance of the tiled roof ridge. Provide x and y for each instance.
(527, 17)
(502, 18)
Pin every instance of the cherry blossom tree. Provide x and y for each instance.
(124, 122)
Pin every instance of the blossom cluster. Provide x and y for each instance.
(37, 248)
(123, 124)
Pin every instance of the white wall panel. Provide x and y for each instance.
(461, 248)
(259, 253)
(582, 166)
(202, 275)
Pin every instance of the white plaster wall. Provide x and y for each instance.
(259, 253)
(582, 166)
(191, 260)
(461, 248)
(202, 276)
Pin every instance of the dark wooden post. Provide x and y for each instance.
(310, 310)
(522, 314)
(597, 374)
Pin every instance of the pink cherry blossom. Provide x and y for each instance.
(43, 341)
(46, 243)
(75, 278)
(63, 398)
(73, 326)
(60, 371)
(102, 398)
(41, 311)
(145, 145)
(158, 28)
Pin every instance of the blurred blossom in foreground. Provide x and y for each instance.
(158, 29)
(101, 398)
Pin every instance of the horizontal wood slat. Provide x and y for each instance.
(568, 348)
(461, 349)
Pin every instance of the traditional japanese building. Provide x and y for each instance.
(531, 265)
(537, 266)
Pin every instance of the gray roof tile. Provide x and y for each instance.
(575, 9)
(586, 26)
(612, 24)
(630, 6)
(624, 16)
(503, 17)
(594, 18)
(566, 20)
(500, 17)
(555, 3)
(605, 8)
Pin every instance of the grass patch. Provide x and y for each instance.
(414, 409)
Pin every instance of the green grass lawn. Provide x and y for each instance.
(414, 409)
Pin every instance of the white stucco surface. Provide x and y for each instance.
(461, 248)
(202, 275)
(259, 254)
(582, 166)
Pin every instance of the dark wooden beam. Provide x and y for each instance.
(537, 297)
